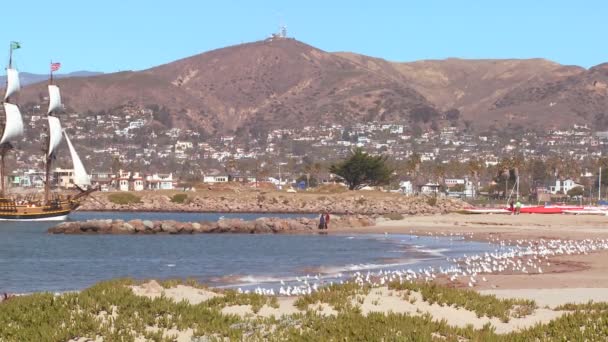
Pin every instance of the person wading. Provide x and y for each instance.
(322, 221)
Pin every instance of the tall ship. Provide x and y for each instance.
(49, 206)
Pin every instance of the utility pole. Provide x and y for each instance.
(599, 186)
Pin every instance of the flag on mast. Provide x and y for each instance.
(15, 45)
(55, 66)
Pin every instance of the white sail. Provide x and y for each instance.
(80, 174)
(54, 98)
(13, 85)
(55, 135)
(14, 123)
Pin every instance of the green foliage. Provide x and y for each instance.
(482, 305)
(576, 191)
(124, 198)
(458, 188)
(362, 169)
(338, 296)
(179, 198)
(45, 317)
(393, 216)
(589, 306)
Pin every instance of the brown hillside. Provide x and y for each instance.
(275, 83)
(286, 83)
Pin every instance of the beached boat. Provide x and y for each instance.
(586, 212)
(486, 211)
(50, 206)
(551, 209)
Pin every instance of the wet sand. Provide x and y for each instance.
(577, 272)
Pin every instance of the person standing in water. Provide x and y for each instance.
(322, 221)
(326, 220)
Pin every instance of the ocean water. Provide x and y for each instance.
(32, 260)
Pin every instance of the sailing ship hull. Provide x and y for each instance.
(51, 216)
(12, 211)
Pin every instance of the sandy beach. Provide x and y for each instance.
(583, 277)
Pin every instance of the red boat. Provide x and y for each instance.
(540, 209)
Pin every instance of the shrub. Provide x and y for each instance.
(124, 198)
(393, 216)
(432, 201)
(179, 198)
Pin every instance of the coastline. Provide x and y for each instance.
(567, 271)
(572, 279)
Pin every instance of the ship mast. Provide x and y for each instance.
(54, 131)
(48, 153)
(5, 147)
(13, 125)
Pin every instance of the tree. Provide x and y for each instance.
(458, 188)
(362, 169)
(576, 191)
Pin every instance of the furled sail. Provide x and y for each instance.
(12, 86)
(54, 98)
(14, 123)
(80, 174)
(55, 135)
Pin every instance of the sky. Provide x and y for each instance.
(118, 35)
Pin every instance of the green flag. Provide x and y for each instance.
(15, 45)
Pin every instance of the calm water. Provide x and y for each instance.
(31, 260)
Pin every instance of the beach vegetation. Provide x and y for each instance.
(112, 312)
(482, 305)
(180, 198)
(361, 169)
(393, 216)
(124, 198)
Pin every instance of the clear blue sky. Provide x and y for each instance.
(113, 35)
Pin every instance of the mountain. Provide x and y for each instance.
(252, 86)
(29, 78)
(285, 83)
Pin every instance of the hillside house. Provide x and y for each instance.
(159, 181)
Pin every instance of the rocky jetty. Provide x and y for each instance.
(260, 226)
(355, 203)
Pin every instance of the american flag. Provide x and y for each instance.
(55, 66)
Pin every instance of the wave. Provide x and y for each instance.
(435, 252)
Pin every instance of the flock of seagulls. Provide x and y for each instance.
(510, 257)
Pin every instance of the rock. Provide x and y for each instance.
(168, 227)
(148, 224)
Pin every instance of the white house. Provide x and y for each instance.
(125, 178)
(450, 182)
(564, 186)
(406, 187)
(215, 179)
(64, 178)
(159, 181)
(429, 188)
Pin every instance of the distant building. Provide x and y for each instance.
(215, 179)
(159, 181)
(130, 181)
(429, 188)
(406, 187)
(64, 178)
(563, 186)
(102, 179)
